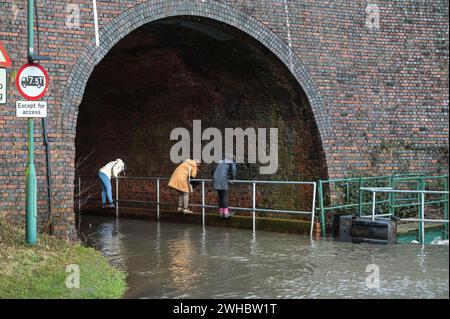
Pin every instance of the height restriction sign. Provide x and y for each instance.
(32, 81)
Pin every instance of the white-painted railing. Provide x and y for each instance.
(421, 218)
(204, 205)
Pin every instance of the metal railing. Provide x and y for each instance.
(158, 203)
(204, 205)
(421, 218)
(358, 203)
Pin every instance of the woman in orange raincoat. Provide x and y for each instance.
(180, 182)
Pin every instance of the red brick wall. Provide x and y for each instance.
(379, 96)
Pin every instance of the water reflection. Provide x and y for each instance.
(203, 242)
(112, 239)
(182, 261)
(253, 246)
(158, 250)
(189, 261)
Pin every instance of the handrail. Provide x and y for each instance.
(421, 218)
(210, 180)
(203, 204)
(356, 179)
(141, 177)
(318, 188)
(350, 185)
(391, 190)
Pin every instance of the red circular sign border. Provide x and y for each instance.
(18, 81)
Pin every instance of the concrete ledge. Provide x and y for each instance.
(212, 219)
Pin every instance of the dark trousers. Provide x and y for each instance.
(223, 198)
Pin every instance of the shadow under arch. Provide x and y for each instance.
(147, 12)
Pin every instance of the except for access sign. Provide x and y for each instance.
(31, 109)
(32, 81)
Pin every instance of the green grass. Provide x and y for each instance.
(40, 271)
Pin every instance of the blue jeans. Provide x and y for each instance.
(105, 182)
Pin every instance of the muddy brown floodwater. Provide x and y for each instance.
(169, 260)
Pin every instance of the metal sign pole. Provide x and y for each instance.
(30, 173)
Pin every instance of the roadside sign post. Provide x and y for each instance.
(31, 187)
(30, 172)
(32, 83)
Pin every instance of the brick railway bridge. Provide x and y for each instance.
(353, 86)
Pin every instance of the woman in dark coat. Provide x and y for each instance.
(220, 172)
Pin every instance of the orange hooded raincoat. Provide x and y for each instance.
(180, 177)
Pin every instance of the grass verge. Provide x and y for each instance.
(40, 271)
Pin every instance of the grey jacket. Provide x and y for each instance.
(220, 173)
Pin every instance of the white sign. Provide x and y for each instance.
(2, 86)
(32, 81)
(31, 109)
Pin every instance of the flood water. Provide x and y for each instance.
(169, 260)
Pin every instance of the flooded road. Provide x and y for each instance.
(168, 260)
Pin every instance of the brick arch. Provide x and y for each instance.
(149, 11)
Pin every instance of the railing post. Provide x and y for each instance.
(313, 209)
(79, 195)
(374, 198)
(391, 196)
(347, 193)
(157, 199)
(421, 186)
(322, 209)
(203, 203)
(360, 197)
(117, 197)
(421, 217)
(446, 209)
(254, 206)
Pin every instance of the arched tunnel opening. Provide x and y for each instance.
(170, 72)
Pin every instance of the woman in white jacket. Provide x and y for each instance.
(113, 168)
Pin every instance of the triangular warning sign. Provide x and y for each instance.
(5, 61)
